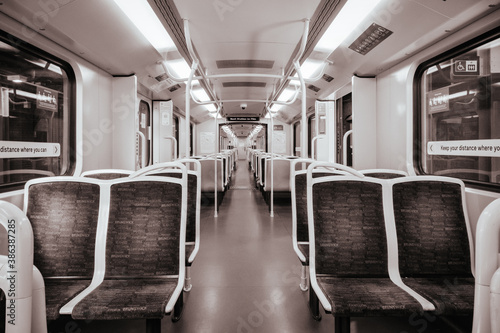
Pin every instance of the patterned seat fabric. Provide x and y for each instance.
(301, 209)
(108, 175)
(351, 251)
(142, 253)
(191, 211)
(64, 218)
(433, 244)
(383, 175)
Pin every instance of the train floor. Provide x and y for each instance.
(246, 278)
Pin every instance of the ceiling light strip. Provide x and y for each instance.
(297, 57)
(243, 100)
(195, 58)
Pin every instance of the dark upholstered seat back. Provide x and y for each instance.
(144, 229)
(107, 175)
(383, 175)
(64, 216)
(431, 229)
(349, 228)
(301, 202)
(207, 175)
(301, 206)
(191, 200)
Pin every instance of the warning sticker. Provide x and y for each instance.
(487, 148)
(21, 149)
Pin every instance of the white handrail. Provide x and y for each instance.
(174, 141)
(313, 141)
(144, 147)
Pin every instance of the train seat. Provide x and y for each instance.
(384, 173)
(64, 213)
(435, 248)
(487, 291)
(208, 185)
(350, 267)
(300, 235)
(145, 253)
(193, 204)
(298, 186)
(299, 210)
(495, 302)
(106, 173)
(281, 178)
(28, 295)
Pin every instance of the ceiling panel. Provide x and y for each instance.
(245, 37)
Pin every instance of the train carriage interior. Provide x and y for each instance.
(250, 166)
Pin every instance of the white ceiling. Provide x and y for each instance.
(257, 30)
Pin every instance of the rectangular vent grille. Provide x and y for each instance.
(370, 38)
(245, 63)
(243, 84)
(327, 78)
(313, 88)
(174, 88)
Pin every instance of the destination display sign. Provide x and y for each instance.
(243, 118)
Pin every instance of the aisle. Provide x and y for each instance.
(246, 275)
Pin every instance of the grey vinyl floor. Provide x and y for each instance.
(246, 278)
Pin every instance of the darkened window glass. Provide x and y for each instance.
(458, 97)
(36, 114)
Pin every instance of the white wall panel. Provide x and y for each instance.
(364, 120)
(392, 113)
(124, 106)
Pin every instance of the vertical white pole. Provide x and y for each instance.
(216, 132)
(272, 164)
(303, 136)
(188, 107)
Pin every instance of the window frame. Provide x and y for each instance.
(71, 149)
(418, 107)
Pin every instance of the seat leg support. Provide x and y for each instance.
(342, 324)
(314, 305)
(187, 279)
(303, 279)
(179, 306)
(153, 325)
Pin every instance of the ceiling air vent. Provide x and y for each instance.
(174, 88)
(245, 63)
(327, 78)
(243, 84)
(313, 88)
(370, 38)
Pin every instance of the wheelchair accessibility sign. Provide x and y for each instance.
(466, 66)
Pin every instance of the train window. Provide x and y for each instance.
(458, 113)
(37, 122)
